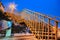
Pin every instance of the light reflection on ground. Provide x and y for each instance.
(18, 35)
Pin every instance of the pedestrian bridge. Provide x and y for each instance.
(42, 27)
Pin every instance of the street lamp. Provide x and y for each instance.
(12, 7)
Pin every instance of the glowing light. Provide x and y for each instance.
(12, 6)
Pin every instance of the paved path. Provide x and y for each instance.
(21, 37)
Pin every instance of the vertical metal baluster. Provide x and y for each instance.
(56, 25)
(39, 27)
(48, 28)
(43, 26)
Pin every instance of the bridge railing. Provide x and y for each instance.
(42, 26)
(40, 23)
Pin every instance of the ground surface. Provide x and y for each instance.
(21, 37)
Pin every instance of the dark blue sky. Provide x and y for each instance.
(47, 7)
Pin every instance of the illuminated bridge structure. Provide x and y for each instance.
(42, 27)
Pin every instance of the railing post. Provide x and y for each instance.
(48, 27)
(56, 25)
(43, 28)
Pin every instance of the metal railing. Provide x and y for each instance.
(42, 26)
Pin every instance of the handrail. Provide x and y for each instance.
(34, 23)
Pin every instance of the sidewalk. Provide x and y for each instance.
(22, 36)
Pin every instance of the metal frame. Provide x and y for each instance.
(37, 24)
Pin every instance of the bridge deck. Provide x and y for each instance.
(20, 37)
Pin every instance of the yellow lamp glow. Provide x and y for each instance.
(12, 6)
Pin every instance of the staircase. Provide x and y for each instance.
(39, 24)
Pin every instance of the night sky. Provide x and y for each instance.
(47, 7)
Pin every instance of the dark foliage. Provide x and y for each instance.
(2, 15)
